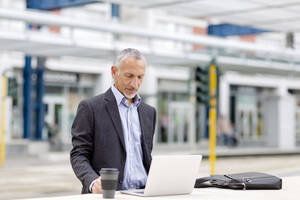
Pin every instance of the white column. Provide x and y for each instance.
(286, 115)
(224, 96)
(150, 87)
(282, 90)
(279, 119)
(104, 80)
(287, 137)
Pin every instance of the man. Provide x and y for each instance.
(115, 129)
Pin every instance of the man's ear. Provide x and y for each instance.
(114, 71)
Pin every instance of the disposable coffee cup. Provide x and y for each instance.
(109, 182)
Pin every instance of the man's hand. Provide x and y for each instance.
(97, 187)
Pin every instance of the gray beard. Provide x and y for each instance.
(130, 96)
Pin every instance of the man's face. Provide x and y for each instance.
(129, 77)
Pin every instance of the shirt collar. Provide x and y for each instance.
(120, 98)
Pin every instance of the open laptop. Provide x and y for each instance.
(170, 175)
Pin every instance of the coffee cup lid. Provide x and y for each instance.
(109, 170)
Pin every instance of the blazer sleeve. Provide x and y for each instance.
(83, 143)
(154, 123)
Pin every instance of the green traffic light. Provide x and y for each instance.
(202, 84)
(202, 75)
(202, 94)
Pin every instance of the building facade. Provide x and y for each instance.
(260, 102)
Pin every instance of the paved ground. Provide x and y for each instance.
(29, 177)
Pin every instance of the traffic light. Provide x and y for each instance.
(12, 87)
(201, 75)
(202, 84)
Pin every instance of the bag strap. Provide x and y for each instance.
(211, 181)
(203, 182)
(204, 179)
(235, 183)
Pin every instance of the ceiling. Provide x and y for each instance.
(274, 15)
(46, 44)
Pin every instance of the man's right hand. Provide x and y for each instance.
(97, 187)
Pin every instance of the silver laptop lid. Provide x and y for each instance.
(172, 174)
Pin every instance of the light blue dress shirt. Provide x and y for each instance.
(135, 175)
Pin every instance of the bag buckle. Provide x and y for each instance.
(239, 181)
(244, 185)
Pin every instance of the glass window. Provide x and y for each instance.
(164, 101)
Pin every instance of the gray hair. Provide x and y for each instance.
(125, 53)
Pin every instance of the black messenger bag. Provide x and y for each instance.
(245, 181)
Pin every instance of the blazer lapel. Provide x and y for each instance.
(112, 109)
(145, 148)
(142, 120)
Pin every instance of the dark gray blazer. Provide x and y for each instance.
(97, 138)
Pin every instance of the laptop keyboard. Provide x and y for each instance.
(138, 191)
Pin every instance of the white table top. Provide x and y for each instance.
(290, 191)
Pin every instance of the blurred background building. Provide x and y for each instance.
(55, 53)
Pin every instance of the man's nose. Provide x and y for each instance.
(135, 83)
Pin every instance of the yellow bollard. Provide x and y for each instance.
(212, 116)
(2, 138)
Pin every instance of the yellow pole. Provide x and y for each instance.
(212, 116)
(2, 139)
